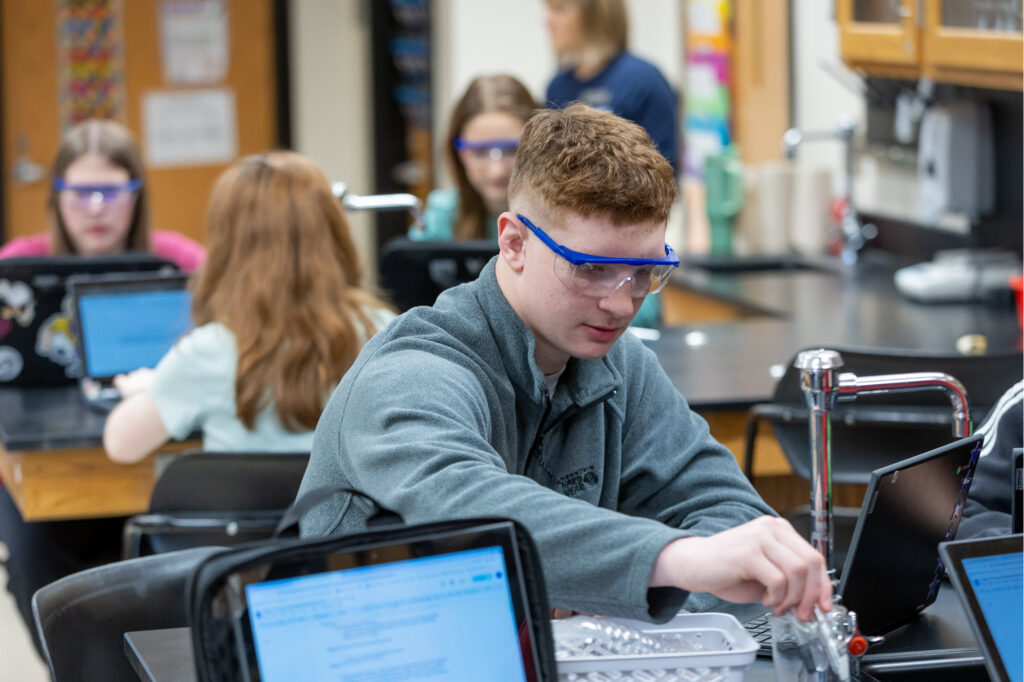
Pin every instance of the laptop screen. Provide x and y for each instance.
(445, 616)
(998, 585)
(122, 331)
(988, 574)
(892, 569)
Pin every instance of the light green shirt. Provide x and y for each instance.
(194, 388)
(439, 218)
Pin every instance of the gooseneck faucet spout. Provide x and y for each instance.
(854, 235)
(823, 387)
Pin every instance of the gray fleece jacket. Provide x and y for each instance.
(445, 415)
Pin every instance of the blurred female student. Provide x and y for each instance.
(98, 202)
(483, 135)
(280, 317)
(589, 38)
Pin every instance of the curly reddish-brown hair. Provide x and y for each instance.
(588, 162)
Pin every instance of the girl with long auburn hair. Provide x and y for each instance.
(279, 313)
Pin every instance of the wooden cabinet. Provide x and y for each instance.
(968, 42)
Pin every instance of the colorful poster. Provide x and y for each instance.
(90, 60)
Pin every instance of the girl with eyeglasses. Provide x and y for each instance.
(483, 135)
(98, 202)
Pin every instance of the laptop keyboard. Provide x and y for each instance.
(761, 631)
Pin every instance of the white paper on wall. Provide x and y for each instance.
(194, 41)
(190, 127)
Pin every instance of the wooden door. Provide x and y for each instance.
(31, 119)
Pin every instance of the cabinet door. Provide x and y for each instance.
(875, 32)
(974, 43)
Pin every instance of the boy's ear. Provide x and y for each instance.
(510, 240)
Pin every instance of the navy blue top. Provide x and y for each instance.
(630, 87)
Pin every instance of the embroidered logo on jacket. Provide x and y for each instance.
(576, 482)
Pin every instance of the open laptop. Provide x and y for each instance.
(892, 570)
(37, 340)
(445, 606)
(988, 574)
(126, 322)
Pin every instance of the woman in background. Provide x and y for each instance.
(483, 135)
(98, 202)
(589, 38)
(279, 313)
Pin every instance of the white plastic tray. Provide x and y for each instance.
(729, 650)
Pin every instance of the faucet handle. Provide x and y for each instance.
(818, 360)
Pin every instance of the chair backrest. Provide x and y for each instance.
(413, 273)
(229, 481)
(223, 486)
(873, 431)
(81, 618)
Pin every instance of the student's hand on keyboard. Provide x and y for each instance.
(762, 560)
(133, 382)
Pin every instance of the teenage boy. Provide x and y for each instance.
(519, 395)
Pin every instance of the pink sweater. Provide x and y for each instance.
(177, 248)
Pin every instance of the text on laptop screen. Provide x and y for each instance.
(998, 585)
(124, 331)
(445, 617)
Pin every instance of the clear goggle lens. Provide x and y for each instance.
(493, 150)
(604, 279)
(86, 195)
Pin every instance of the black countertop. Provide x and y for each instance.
(731, 365)
(728, 365)
(48, 418)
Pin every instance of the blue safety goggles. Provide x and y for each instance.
(88, 193)
(601, 276)
(489, 149)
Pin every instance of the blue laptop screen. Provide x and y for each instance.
(445, 617)
(124, 331)
(998, 585)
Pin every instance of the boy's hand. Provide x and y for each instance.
(762, 560)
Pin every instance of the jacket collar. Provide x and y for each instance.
(584, 381)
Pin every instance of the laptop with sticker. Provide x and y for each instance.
(37, 338)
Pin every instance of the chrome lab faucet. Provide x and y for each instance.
(380, 202)
(823, 386)
(854, 234)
